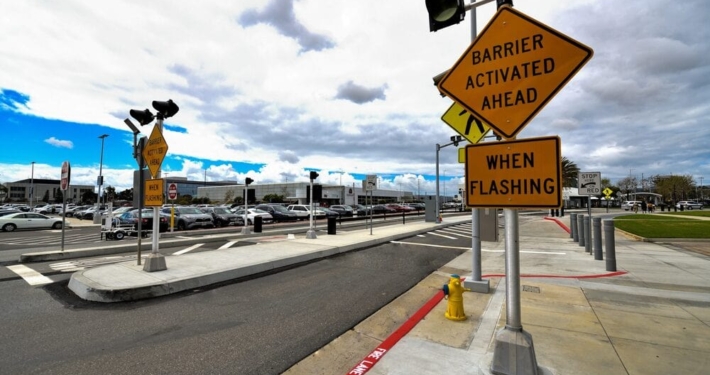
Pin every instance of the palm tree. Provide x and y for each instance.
(569, 173)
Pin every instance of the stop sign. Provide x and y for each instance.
(65, 176)
(172, 191)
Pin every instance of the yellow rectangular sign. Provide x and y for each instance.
(525, 173)
(154, 192)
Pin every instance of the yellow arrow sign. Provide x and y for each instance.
(459, 119)
(155, 150)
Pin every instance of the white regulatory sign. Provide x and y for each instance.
(371, 182)
(590, 183)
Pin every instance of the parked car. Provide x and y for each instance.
(398, 207)
(266, 217)
(278, 212)
(28, 220)
(358, 209)
(7, 212)
(689, 205)
(328, 212)
(417, 206)
(379, 209)
(222, 216)
(89, 213)
(629, 205)
(190, 218)
(48, 209)
(302, 208)
(71, 210)
(343, 210)
(131, 218)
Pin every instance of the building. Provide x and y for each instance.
(20, 191)
(298, 193)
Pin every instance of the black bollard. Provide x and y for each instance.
(562, 212)
(598, 252)
(610, 245)
(331, 225)
(588, 235)
(580, 229)
(258, 221)
(573, 227)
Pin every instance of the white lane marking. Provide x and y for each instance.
(31, 276)
(454, 233)
(441, 235)
(227, 245)
(183, 251)
(483, 250)
(420, 235)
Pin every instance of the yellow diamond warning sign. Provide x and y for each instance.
(524, 173)
(512, 70)
(459, 119)
(155, 150)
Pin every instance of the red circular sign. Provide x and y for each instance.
(172, 191)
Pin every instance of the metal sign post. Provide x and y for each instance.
(64, 186)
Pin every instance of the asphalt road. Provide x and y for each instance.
(262, 325)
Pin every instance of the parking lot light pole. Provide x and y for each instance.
(32, 186)
(100, 180)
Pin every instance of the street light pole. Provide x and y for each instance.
(455, 139)
(97, 216)
(32, 186)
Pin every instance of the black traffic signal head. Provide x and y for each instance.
(165, 109)
(143, 117)
(313, 175)
(456, 139)
(444, 13)
(248, 181)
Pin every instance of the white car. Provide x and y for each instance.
(301, 209)
(28, 220)
(266, 217)
(629, 205)
(688, 205)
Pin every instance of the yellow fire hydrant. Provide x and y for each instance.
(453, 292)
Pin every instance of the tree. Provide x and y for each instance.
(109, 193)
(674, 188)
(273, 198)
(88, 197)
(627, 185)
(59, 198)
(45, 198)
(229, 196)
(570, 172)
(126, 195)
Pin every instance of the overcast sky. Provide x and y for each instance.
(271, 89)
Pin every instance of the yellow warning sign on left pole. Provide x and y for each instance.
(154, 192)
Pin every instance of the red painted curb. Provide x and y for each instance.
(558, 223)
(371, 359)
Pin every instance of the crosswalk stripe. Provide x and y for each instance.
(183, 251)
(227, 245)
(441, 235)
(31, 276)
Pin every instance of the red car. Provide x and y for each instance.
(399, 207)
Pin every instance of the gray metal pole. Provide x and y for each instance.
(512, 270)
(438, 219)
(587, 235)
(580, 229)
(573, 227)
(598, 254)
(610, 245)
(476, 284)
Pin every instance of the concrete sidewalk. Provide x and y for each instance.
(654, 319)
